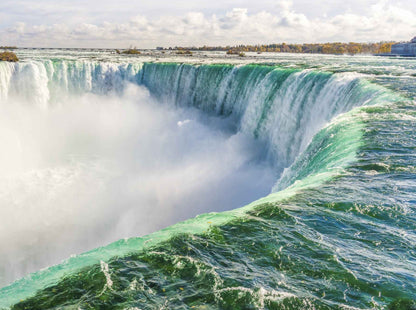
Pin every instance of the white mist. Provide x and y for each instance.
(91, 169)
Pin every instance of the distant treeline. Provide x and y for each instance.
(351, 48)
(8, 47)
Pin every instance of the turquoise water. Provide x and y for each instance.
(337, 230)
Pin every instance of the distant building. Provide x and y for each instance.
(404, 49)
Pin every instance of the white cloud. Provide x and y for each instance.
(285, 5)
(383, 21)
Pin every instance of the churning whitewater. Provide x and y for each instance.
(115, 149)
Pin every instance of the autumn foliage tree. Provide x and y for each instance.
(336, 48)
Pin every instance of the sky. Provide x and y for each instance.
(151, 23)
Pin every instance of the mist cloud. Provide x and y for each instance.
(92, 169)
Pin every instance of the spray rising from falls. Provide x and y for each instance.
(284, 108)
(80, 139)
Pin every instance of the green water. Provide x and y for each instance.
(337, 231)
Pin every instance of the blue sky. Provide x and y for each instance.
(150, 23)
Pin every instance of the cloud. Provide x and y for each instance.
(383, 21)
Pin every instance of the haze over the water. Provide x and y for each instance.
(93, 169)
(147, 24)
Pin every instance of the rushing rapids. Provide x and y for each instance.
(337, 230)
